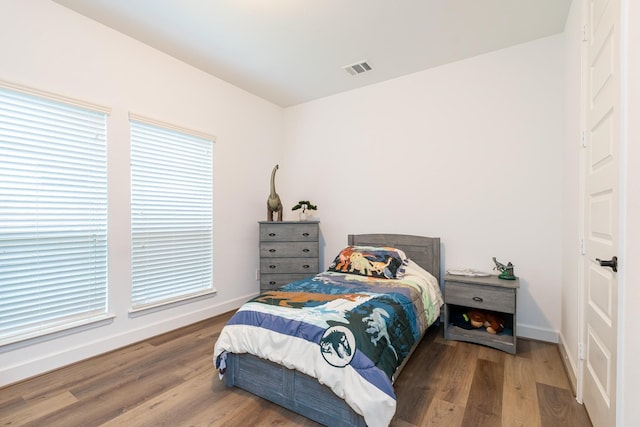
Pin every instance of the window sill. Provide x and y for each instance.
(163, 305)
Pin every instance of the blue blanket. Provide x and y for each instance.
(349, 331)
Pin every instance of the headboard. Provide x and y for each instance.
(425, 251)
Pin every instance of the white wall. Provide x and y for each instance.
(48, 47)
(470, 152)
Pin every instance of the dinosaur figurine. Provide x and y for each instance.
(273, 202)
(506, 270)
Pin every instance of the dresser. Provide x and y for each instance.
(289, 251)
(488, 293)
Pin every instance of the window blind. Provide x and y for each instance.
(172, 215)
(53, 215)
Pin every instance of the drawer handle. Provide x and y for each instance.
(477, 299)
(306, 266)
(305, 250)
(272, 250)
(272, 266)
(273, 282)
(272, 234)
(305, 234)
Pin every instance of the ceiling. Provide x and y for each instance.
(292, 51)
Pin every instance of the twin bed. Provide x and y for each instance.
(329, 347)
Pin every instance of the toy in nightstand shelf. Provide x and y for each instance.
(475, 319)
(491, 321)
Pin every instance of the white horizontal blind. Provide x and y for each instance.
(172, 215)
(53, 215)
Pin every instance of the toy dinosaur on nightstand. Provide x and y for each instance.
(506, 271)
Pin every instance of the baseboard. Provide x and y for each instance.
(37, 365)
(537, 333)
(569, 367)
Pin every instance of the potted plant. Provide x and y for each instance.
(304, 205)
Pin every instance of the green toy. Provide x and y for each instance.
(506, 271)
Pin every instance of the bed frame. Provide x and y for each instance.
(301, 393)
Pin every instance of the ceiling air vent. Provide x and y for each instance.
(357, 68)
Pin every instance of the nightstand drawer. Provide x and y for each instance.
(289, 265)
(289, 249)
(486, 297)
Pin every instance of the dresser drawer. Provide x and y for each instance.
(486, 297)
(283, 232)
(289, 249)
(273, 281)
(289, 265)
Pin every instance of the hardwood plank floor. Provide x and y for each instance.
(170, 381)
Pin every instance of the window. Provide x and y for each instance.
(53, 214)
(171, 214)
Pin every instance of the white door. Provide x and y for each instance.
(602, 174)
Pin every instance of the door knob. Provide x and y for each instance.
(613, 263)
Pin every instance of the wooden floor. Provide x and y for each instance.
(170, 381)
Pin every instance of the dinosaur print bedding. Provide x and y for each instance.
(349, 331)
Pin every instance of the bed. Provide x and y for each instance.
(334, 369)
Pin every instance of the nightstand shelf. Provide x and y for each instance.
(462, 293)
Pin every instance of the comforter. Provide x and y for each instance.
(349, 331)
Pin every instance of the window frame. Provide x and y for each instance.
(34, 120)
(139, 304)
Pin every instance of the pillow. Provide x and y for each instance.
(428, 282)
(371, 261)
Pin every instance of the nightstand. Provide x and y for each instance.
(289, 251)
(488, 293)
